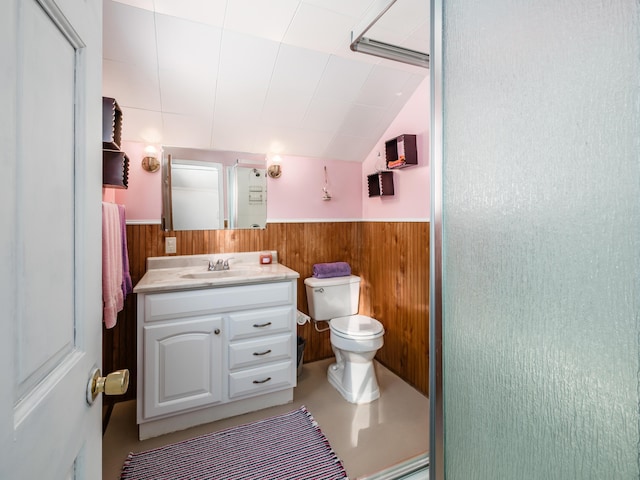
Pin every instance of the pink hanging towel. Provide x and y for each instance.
(112, 297)
(127, 284)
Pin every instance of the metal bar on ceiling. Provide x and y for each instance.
(369, 46)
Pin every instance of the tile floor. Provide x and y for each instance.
(367, 438)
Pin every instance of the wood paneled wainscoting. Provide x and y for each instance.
(391, 257)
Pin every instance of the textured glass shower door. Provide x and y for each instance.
(539, 210)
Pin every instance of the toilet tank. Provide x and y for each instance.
(332, 297)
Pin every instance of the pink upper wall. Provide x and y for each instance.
(108, 195)
(297, 194)
(411, 200)
(143, 198)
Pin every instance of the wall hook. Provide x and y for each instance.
(326, 195)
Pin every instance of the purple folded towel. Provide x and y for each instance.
(334, 269)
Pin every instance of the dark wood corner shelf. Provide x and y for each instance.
(401, 152)
(115, 163)
(111, 124)
(380, 184)
(115, 169)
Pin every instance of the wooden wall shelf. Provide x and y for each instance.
(401, 151)
(115, 169)
(380, 184)
(115, 163)
(111, 124)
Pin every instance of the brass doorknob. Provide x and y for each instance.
(116, 383)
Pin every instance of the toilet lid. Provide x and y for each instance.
(356, 326)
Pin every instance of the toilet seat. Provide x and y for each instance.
(359, 327)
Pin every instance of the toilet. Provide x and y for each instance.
(355, 339)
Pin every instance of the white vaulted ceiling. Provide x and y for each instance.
(258, 76)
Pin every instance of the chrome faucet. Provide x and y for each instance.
(216, 267)
(219, 265)
(225, 265)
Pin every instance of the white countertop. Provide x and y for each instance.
(191, 271)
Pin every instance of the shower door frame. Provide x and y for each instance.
(436, 400)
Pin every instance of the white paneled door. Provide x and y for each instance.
(50, 243)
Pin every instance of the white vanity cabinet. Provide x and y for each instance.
(211, 353)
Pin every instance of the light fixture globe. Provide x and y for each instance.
(151, 164)
(274, 170)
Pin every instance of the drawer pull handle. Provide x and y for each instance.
(257, 354)
(261, 325)
(262, 381)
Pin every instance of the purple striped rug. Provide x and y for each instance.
(288, 446)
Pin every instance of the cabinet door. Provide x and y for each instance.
(182, 365)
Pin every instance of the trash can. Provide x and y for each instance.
(301, 344)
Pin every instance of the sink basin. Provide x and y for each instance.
(237, 271)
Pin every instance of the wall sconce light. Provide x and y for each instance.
(275, 169)
(150, 162)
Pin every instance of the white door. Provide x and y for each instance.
(50, 243)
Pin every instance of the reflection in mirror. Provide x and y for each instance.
(197, 201)
(247, 197)
(197, 195)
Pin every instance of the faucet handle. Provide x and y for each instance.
(225, 266)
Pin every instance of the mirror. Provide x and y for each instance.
(211, 190)
(196, 194)
(247, 197)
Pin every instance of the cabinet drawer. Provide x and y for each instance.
(163, 306)
(261, 379)
(260, 351)
(264, 321)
